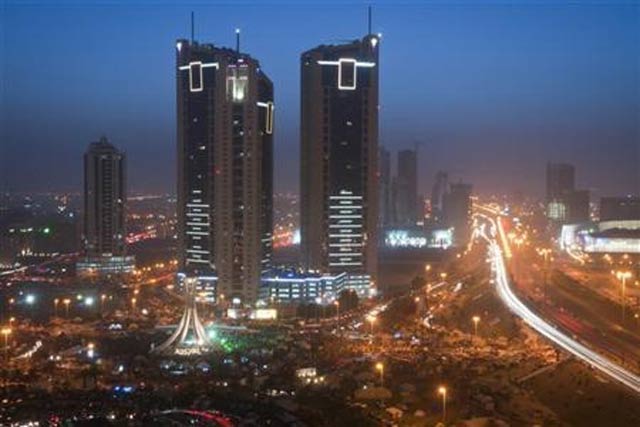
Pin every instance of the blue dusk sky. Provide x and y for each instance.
(490, 91)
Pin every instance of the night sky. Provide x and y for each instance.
(491, 92)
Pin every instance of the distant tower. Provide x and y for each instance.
(385, 187)
(407, 188)
(225, 169)
(456, 211)
(440, 187)
(104, 211)
(560, 180)
(339, 159)
(565, 204)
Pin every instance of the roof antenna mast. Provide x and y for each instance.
(192, 27)
(238, 40)
(369, 32)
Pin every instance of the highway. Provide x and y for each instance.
(559, 338)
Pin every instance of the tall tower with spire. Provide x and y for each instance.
(339, 159)
(225, 116)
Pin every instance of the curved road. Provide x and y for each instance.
(567, 343)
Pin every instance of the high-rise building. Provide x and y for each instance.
(564, 202)
(456, 211)
(385, 216)
(407, 188)
(339, 153)
(105, 196)
(577, 203)
(560, 180)
(437, 196)
(620, 208)
(225, 170)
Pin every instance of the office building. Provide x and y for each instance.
(619, 208)
(385, 210)
(407, 188)
(456, 211)
(577, 203)
(104, 225)
(225, 116)
(299, 287)
(564, 203)
(339, 153)
(440, 188)
(560, 180)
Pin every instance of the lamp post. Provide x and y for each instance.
(103, 297)
(380, 368)
(133, 303)
(56, 301)
(371, 320)
(6, 332)
(476, 320)
(66, 302)
(545, 253)
(442, 391)
(623, 276)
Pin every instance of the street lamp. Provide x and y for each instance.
(623, 276)
(371, 319)
(380, 368)
(442, 391)
(66, 302)
(133, 303)
(337, 304)
(443, 275)
(6, 332)
(476, 320)
(427, 268)
(103, 297)
(91, 350)
(544, 252)
(56, 301)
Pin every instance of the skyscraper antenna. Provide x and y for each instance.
(238, 40)
(192, 27)
(369, 32)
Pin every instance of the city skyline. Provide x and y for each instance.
(546, 108)
(338, 214)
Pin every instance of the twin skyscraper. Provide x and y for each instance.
(225, 123)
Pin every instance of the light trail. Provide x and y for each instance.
(567, 343)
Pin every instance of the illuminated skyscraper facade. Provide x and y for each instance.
(225, 115)
(339, 151)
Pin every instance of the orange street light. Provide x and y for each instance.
(66, 302)
(380, 368)
(623, 276)
(442, 391)
(476, 320)
(371, 319)
(6, 332)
